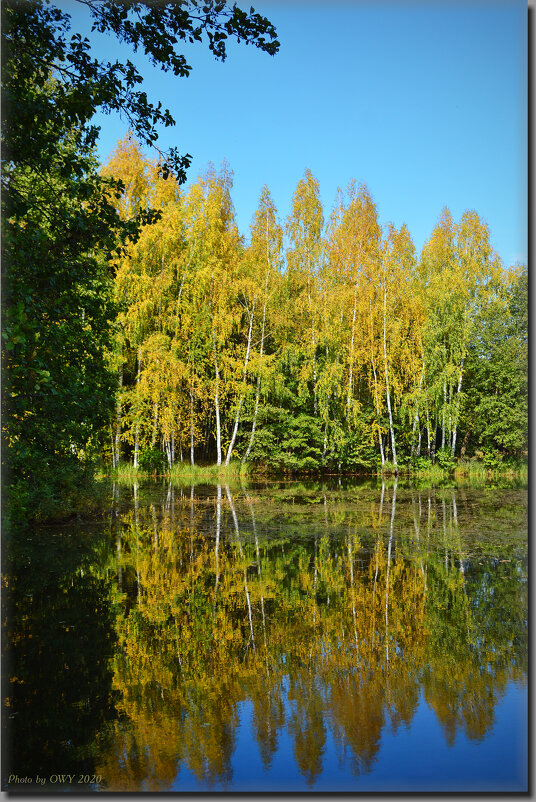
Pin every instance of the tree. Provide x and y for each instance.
(459, 272)
(495, 415)
(400, 322)
(353, 256)
(60, 221)
(213, 238)
(265, 252)
(304, 228)
(57, 313)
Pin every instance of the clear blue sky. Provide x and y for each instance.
(425, 102)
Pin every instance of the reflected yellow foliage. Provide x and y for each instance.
(317, 635)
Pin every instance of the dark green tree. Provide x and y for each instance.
(496, 406)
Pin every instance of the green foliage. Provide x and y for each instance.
(286, 441)
(352, 449)
(151, 460)
(492, 459)
(57, 313)
(445, 460)
(388, 468)
(496, 408)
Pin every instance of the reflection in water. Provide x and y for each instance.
(58, 643)
(330, 614)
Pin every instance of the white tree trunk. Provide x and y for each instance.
(444, 414)
(137, 431)
(217, 409)
(387, 393)
(352, 339)
(416, 418)
(241, 399)
(376, 401)
(261, 352)
(155, 424)
(117, 445)
(192, 460)
(456, 420)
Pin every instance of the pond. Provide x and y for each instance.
(275, 636)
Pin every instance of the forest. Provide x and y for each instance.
(321, 343)
(141, 328)
(204, 432)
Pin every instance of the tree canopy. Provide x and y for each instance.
(347, 351)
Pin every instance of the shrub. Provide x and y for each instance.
(151, 460)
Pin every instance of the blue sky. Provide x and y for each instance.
(425, 102)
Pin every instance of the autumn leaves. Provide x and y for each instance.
(320, 345)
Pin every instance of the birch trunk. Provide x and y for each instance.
(387, 393)
(444, 414)
(192, 460)
(352, 340)
(315, 401)
(117, 445)
(454, 431)
(261, 352)
(376, 401)
(428, 429)
(416, 418)
(137, 432)
(217, 408)
(155, 425)
(241, 399)
(450, 415)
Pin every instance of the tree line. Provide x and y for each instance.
(137, 322)
(320, 343)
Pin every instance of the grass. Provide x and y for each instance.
(471, 469)
(181, 473)
(460, 469)
(125, 472)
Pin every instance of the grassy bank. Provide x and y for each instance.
(184, 473)
(461, 469)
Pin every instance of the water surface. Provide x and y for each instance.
(279, 636)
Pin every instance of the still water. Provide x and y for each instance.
(275, 636)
